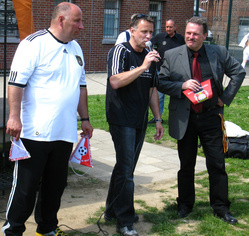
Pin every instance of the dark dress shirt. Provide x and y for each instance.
(206, 73)
(163, 42)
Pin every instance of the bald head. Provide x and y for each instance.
(64, 9)
(66, 21)
(170, 27)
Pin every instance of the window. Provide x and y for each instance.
(156, 14)
(10, 24)
(111, 21)
(243, 27)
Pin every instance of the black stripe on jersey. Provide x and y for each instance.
(82, 86)
(36, 34)
(17, 85)
(12, 76)
(12, 79)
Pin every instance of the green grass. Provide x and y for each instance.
(201, 221)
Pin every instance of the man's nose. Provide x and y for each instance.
(149, 34)
(81, 25)
(191, 35)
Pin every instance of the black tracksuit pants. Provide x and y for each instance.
(46, 171)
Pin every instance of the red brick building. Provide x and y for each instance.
(103, 21)
(217, 15)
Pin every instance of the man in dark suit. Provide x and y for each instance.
(186, 123)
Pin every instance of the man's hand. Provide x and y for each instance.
(150, 57)
(159, 131)
(220, 103)
(14, 127)
(191, 84)
(87, 129)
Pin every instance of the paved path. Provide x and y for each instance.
(156, 163)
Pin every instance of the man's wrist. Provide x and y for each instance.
(84, 119)
(159, 120)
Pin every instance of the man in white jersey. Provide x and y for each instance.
(46, 89)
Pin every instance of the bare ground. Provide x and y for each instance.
(84, 196)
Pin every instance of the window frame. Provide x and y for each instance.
(11, 23)
(111, 39)
(158, 15)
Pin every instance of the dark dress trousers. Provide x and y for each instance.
(187, 126)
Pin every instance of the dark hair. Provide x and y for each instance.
(136, 18)
(199, 21)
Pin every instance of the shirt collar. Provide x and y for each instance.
(201, 52)
(167, 36)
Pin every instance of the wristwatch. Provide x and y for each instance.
(84, 119)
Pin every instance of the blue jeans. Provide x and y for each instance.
(120, 200)
(161, 102)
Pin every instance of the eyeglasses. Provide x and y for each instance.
(138, 16)
(141, 16)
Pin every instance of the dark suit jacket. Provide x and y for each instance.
(176, 70)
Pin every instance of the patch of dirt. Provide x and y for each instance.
(84, 196)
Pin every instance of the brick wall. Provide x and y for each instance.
(217, 15)
(180, 11)
(10, 51)
(95, 52)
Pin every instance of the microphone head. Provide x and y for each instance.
(148, 44)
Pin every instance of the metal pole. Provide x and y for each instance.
(229, 22)
(197, 8)
(4, 78)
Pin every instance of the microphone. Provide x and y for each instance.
(148, 44)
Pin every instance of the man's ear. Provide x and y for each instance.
(60, 20)
(205, 36)
(132, 30)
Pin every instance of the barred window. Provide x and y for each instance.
(9, 24)
(111, 20)
(155, 12)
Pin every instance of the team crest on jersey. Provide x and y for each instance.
(79, 60)
(164, 43)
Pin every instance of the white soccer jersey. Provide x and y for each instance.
(51, 73)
